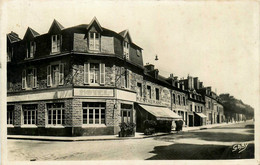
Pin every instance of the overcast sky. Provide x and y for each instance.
(215, 41)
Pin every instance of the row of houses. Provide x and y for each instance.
(86, 80)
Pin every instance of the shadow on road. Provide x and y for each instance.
(197, 152)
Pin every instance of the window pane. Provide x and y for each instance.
(54, 117)
(85, 116)
(63, 115)
(96, 116)
(49, 116)
(91, 116)
(103, 116)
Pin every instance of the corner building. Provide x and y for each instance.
(86, 80)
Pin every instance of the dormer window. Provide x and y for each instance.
(56, 41)
(31, 49)
(94, 41)
(126, 50)
(9, 54)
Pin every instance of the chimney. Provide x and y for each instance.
(196, 82)
(201, 85)
(149, 67)
(171, 75)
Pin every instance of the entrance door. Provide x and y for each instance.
(190, 120)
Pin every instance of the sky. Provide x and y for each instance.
(217, 41)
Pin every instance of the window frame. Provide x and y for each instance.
(95, 41)
(56, 46)
(25, 78)
(52, 109)
(10, 118)
(157, 94)
(98, 108)
(139, 89)
(26, 108)
(149, 91)
(50, 76)
(126, 49)
(87, 73)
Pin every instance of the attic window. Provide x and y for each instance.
(126, 49)
(138, 53)
(56, 41)
(10, 51)
(31, 49)
(94, 41)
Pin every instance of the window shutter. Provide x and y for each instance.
(61, 77)
(34, 77)
(60, 42)
(49, 75)
(122, 77)
(24, 79)
(52, 43)
(102, 73)
(128, 78)
(34, 48)
(86, 73)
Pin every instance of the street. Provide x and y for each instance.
(214, 143)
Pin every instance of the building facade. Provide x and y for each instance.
(86, 80)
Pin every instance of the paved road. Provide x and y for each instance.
(215, 143)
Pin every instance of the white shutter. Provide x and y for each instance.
(49, 75)
(86, 73)
(34, 77)
(61, 76)
(102, 73)
(24, 79)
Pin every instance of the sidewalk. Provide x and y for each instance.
(138, 135)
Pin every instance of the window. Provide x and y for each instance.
(31, 49)
(184, 102)
(126, 49)
(138, 52)
(56, 41)
(201, 109)
(139, 89)
(94, 41)
(10, 114)
(55, 75)
(149, 92)
(94, 113)
(191, 107)
(209, 104)
(29, 78)
(94, 73)
(179, 99)
(195, 108)
(29, 114)
(125, 76)
(56, 114)
(173, 98)
(157, 93)
(126, 113)
(10, 52)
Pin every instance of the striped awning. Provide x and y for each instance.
(201, 115)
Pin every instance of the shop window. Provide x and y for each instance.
(10, 115)
(29, 114)
(139, 89)
(56, 41)
(56, 114)
(157, 95)
(94, 41)
(149, 92)
(55, 75)
(93, 113)
(29, 78)
(94, 73)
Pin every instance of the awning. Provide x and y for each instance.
(161, 113)
(201, 115)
